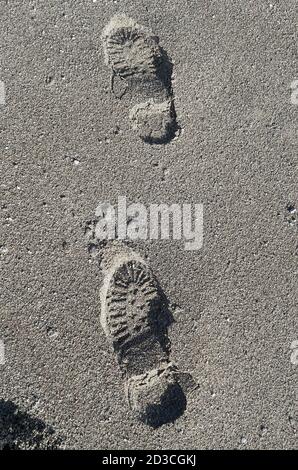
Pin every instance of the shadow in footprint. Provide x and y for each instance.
(172, 405)
(161, 318)
(165, 70)
(19, 430)
(173, 401)
(164, 400)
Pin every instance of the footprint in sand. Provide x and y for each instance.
(135, 319)
(134, 54)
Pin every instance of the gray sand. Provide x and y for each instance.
(67, 145)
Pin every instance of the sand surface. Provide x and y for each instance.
(67, 145)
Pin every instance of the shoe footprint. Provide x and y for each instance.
(135, 56)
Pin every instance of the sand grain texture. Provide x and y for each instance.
(67, 145)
